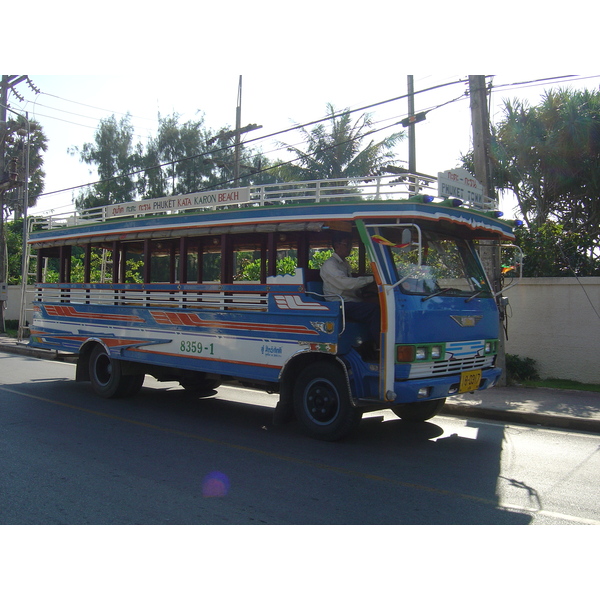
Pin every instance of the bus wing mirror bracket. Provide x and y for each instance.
(519, 265)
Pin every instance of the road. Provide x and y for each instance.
(165, 457)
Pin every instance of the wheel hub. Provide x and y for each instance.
(322, 402)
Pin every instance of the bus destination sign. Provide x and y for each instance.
(177, 203)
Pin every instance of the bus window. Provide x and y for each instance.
(442, 265)
(133, 255)
(320, 250)
(286, 254)
(211, 261)
(162, 261)
(249, 259)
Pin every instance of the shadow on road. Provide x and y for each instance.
(390, 471)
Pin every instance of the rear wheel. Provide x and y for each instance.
(417, 412)
(108, 380)
(322, 402)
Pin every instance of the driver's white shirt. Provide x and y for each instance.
(336, 274)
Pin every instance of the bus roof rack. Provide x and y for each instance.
(358, 189)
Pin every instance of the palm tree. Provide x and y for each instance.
(548, 155)
(334, 150)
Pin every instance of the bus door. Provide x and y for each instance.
(378, 238)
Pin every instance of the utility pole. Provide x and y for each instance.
(3, 133)
(236, 134)
(8, 180)
(238, 139)
(412, 146)
(480, 121)
(489, 252)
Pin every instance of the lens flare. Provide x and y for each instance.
(215, 485)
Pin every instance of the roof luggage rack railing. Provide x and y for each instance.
(400, 186)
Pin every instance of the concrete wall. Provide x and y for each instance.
(13, 304)
(556, 321)
(550, 319)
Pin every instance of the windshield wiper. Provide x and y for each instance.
(473, 296)
(436, 294)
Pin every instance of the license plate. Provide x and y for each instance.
(469, 381)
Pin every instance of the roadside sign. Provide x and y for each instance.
(459, 183)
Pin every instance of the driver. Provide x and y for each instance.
(336, 274)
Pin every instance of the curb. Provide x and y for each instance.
(523, 418)
(24, 350)
(456, 410)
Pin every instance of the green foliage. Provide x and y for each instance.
(286, 265)
(548, 156)
(335, 150)
(250, 269)
(520, 369)
(15, 149)
(318, 258)
(133, 270)
(113, 155)
(173, 142)
(13, 232)
(11, 327)
(565, 384)
(182, 158)
(552, 251)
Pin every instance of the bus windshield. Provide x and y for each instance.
(433, 264)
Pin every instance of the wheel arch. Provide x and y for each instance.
(284, 411)
(82, 371)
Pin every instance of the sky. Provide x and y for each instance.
(294, 59)
(70, 107)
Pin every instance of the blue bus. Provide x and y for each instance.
(224, 287)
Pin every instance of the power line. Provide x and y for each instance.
(515, 85)
(36, 115)
(296, 127)
(263, 137)
(114, 112)
(543, 81)
(221, 183)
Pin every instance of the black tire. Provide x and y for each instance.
(108, 380)
(322, 402)
(417, 412)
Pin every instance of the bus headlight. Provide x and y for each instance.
(421, 353)
(436, 352)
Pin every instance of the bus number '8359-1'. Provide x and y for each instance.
(193, 347)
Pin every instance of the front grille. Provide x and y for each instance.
(460, 356)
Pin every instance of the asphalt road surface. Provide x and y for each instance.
(165, 457)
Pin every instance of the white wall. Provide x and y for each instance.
(12, 306)
(550, 319)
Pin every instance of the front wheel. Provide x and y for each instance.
(417, 412)
(322, 402)
(108, 380)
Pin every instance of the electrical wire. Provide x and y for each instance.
(263, 137)
(297, 126)
(543, 81)
(114, 112)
